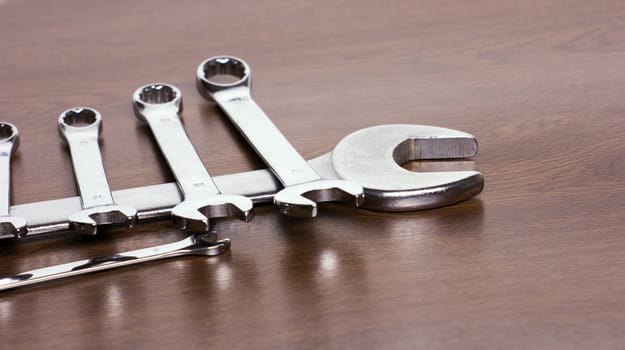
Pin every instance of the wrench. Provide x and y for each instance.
(303, 186)
(80, 128)
(159, 105)
(195, 244)
(388, 187)
(9, 140)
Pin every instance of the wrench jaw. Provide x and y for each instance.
(194, 214)
(11, 225)
(87, 221)
(373, 156)
(301, 200)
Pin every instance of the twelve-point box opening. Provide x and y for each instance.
(157, 94)
(224, 70)
(6, 131)
(79, 117)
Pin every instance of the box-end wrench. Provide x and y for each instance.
(160, 105)
(303, 186)
(80, 128)
(9, 140)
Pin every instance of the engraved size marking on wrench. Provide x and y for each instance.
(303, 187)
(159, 105)
(80, 128)
(9, 140)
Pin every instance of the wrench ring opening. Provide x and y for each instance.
(80, 117)
(158, 94)
(8, 132)
(211, 73)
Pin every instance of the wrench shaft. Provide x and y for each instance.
(5, 178)
(261, 133)
(89, 170)
(181, 156)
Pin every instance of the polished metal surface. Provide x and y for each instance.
(80, 128)
(303, 187)
(160, 105)
(196, 244)
(389, 187)
(383, 190)
(9, 140)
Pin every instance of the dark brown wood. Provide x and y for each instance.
(536, 261)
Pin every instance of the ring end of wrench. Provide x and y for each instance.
(86, 221)
(221, 66)
(79, 119)
(167, 97)
(301, 200)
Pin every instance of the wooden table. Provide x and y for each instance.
(536, 261)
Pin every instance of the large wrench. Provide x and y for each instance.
(160, 105)
(80, 128)
(303, 186)
(368, 156)
(9, 140)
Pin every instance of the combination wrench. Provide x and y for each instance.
(80, 128)
(160, 105)
(303, 186)
(9, 140)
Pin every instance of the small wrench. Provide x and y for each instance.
(80, 128)
(9, 140)
(195, 244)
(303, 186)
(160, 105)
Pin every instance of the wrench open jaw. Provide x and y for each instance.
(303, 187)
(9, 141)
(373, 157)
(87, 221)
(80, 128)
(193, 215)
(301, 200)
(160, 105)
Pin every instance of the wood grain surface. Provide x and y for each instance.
(537, 261)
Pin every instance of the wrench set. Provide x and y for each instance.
(363, 170)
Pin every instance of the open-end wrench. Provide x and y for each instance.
(303, 186)
(160, 105)
(368, 156)
(195, 244)
(80, 128)
(9, 140)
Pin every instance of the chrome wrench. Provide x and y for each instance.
(371, 157)
(195, 244)
(9, 140)
(303, 186)
(80, 128)
(159, 105)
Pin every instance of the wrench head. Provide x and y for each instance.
(9, 134)
(221, 66)
(194, 214)
(156, 98)
(11, 225)
(86, 221)
(80, 120)
(301, 200)
(373, 156)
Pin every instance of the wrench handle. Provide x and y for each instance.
(263, 135)
(89, 171)
(5, 178)
(181, 156)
